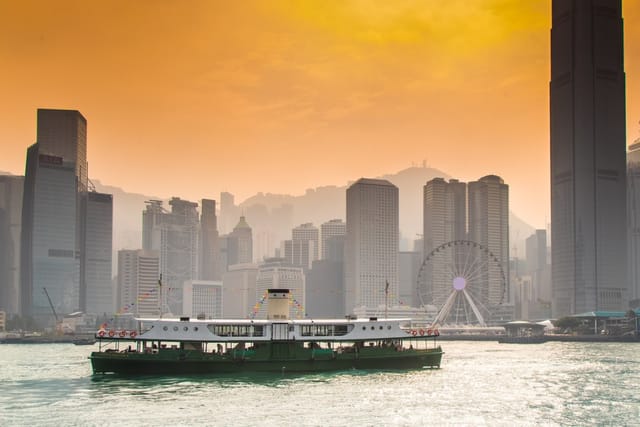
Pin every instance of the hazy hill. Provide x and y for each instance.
(280, 212)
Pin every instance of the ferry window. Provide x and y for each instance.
(186, 328)
(342, 329)
(364, 328)
(237, 330)
(165, 329)
(175, 328)
(373, 327)
(389, 327)
(380, 327)
(195, 328)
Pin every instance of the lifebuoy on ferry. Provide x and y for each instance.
(101, 333)
(429, 331)
(414, 332)
(111, 333)
(436, 333)
(421, 332)
(123, 333)
(132, 334)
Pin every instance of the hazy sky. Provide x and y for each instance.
(189, 98)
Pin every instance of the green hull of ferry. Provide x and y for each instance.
(278, 357)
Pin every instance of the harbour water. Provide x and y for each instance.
(480, 383)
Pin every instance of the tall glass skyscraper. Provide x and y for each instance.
(588, 170)
(55, 177)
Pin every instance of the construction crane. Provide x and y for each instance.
(52, 309)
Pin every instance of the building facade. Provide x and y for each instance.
(488, 207)
(209, 245)
(302, 249)
(11, 189)
(239, 291)
(372, 244)
(202, 299)
(328, 230)
(633, 218)
(444, 220)
(175, 235)
(96, 293)
(588, 149)
(139, 291)
(275, 273)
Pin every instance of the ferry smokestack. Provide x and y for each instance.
(278, 304)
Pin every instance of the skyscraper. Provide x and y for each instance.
(302, 249)
(276, 273)
(633, 200)
(372, 243)
(175, 236)
(96, 293)
(209, 247)
(55, 177)
(138, 290)
(489, 226)
(11, 188)
(240, 244)
(444, 220)
(329, 229)
(588, 170)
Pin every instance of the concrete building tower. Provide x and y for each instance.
(276, 273)
(302, 249)
(11, 188)
(138, 289)
(329, 229)
(588, 149)
(372, 243)
(240, 244)
(633, 201)
(444, 220)
(174, 235)
(96, 293)
(489, 225)
(209, 246)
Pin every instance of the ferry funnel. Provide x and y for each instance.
(278, 304)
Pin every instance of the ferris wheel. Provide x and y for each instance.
(464, 280)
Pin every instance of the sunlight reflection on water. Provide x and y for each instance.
(480, 383)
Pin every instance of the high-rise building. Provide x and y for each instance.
(633, 201)
(96, 293)
(202, 299)
(11, 188)
(302, 249)
(228, 212)
(588, 148)
(55, 178)
(444, 220)
(445, 212)
(139, 291)
(488, 206)
(209, 247)
(329, 229)
(175, 236)
(239, 291)
(538, 266)
(372, 243)
(276, 273)
(240, 244)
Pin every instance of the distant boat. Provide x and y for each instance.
(278, 344)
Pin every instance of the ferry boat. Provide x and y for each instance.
(277, 344)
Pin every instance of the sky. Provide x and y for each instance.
(190, 98)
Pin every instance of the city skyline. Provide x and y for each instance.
(252, 93)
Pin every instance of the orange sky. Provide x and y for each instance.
(189, 98)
